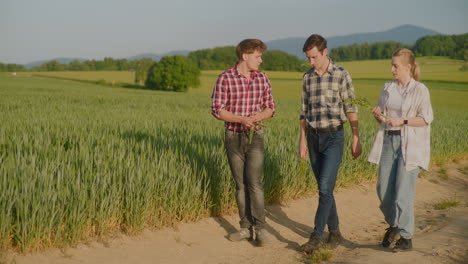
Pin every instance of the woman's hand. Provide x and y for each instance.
(395, 121)
(378, 114)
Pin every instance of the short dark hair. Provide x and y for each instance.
(249, 46)
(315, 40)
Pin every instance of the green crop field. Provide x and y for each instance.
(79, 160)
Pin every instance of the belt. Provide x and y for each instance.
(247, 131)
(393, 132)
(319, 131)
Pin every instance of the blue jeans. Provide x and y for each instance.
(396, 187)
(246, 163)
(325, 152)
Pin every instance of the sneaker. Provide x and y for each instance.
(262, 238)
(390, 236)
(334, 239)
(315, 242)
(242, 234)
(403, 245)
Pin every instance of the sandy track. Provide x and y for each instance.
(441, 235)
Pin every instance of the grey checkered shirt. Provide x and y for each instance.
(323, 97)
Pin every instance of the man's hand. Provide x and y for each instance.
(303, 151)
(247, 122)
(257, 117)
(356, 148)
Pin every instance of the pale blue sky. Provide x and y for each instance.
(33, 30)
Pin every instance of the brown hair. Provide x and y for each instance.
(408, 58)
(315, 40)
(249, 46)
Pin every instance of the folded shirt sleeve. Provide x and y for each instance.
(268, 101)
(347, 92)
(219, 97)
(425, 108)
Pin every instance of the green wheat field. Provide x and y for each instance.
(79, 160)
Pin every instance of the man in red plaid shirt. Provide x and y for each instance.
(242, 98)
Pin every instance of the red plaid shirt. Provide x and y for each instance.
(236, 94)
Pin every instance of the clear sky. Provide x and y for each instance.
(33, 30)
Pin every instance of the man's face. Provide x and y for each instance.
(253, 60)
(315, 57)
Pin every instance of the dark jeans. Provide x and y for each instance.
(325, 152)
(246, 163)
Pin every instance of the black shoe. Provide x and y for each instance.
(390, 236)
(315, 242)
(334, 239)
(403, 245)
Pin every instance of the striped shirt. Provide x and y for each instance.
(240, 96)
(323, 97)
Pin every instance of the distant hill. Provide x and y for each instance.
(406, 34)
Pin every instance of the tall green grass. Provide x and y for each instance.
(80, 160)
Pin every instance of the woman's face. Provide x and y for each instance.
(400, 70)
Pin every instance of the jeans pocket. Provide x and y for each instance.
(229, 134)
(337, 135)
(260, 133)
(258, 139)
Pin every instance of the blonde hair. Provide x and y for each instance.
(408, 58)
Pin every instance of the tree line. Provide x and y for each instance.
(454, 47)
(11, 67)
(206, 59)
(220, 58)
(225, 57)
(374, 51)
(107, 64)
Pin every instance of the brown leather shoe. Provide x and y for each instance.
(315, 242)
(334, 239)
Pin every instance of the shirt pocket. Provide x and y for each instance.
(332, 96)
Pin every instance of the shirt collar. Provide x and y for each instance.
(237, 72)
(412, 83)
(331, 67)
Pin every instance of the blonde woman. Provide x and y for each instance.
(401, 147)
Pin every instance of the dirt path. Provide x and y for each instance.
(441, 235)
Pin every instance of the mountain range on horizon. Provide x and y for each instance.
(405, 34)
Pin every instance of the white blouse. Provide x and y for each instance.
(415, 141)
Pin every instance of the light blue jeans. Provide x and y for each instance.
(396, 187)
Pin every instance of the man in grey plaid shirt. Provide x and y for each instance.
(324, 110)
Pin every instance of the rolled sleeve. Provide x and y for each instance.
(425, 109)
(304, 101)
(219, 97)
(347, 93)
(268, 101)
